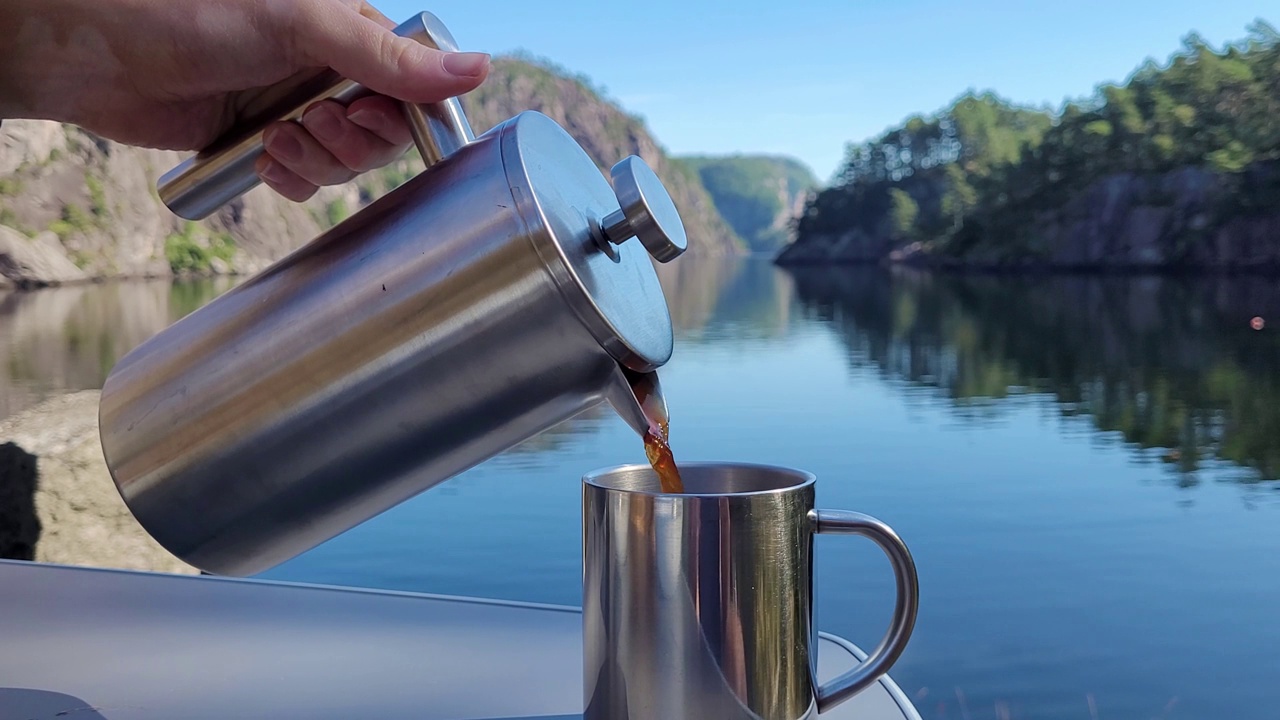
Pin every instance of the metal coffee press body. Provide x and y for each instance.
(503, 290)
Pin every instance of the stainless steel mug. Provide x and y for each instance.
(489, 298)
(699, 605)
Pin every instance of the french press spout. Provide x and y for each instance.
(491, 297)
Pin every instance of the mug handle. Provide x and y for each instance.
(844, 522)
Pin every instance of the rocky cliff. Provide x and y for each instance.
(1188, 218)
(606, 132)
(57, 501)
(854, 245)
(760, 196)
(76, 207)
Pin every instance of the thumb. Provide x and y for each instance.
(364, 51)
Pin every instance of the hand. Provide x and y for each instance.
(176, 74)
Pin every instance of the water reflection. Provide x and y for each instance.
(712, 301)
(65, 339)
(726, 300)
(1171, 364)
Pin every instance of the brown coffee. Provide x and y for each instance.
(657, 446)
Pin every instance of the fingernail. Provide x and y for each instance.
(282, 145)
(468, 64)
(368, 119)
(274, 171)
(322, 123)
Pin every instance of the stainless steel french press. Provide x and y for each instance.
(503, 290)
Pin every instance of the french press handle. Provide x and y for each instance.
(225, 170)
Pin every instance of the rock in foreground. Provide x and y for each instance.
(79, 518)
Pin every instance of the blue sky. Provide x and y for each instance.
(803, 78)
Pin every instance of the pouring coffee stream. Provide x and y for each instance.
(657, 434)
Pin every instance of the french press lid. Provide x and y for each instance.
(597, 241)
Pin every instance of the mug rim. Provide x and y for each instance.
(806, 478)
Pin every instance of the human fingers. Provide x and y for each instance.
(362, 49)
(290, 145)
(352, 145)
(383, 117)
(283, 180)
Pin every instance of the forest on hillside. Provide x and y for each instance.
(758, 195)
(985, 177)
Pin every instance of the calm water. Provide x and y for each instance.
(1085, 469)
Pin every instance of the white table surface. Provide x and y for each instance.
(85, 644)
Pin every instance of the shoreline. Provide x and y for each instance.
(34, 285)
(937, 266)
(1040, 269)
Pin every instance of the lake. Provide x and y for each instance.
(1087, 469)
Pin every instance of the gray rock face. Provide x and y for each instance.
(73, 512)
(40, 260)
(1186, 218)
(96, 201)
(1181, 218)
(28, 142)
(99, 198)
(854, 246)
(607, 134)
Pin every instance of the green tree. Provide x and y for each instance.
(982, 172)
(959, 198)
(755, 193)
(903, 214)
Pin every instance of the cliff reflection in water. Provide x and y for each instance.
(65, 339)
(711, 301)
(1170, 363)
(718, 300)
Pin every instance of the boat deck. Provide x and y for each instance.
(82, 644)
